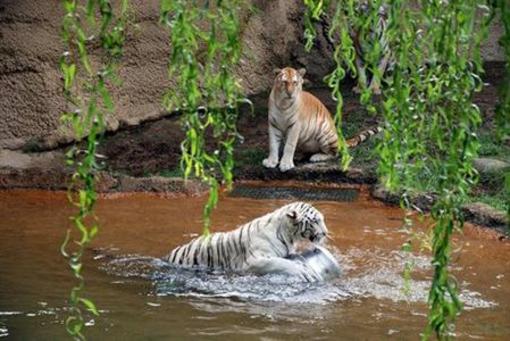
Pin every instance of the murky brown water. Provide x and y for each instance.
(367, 303)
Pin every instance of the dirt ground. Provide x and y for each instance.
(153, 148)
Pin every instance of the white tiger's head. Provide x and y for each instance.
(308, 221)
(288, 82)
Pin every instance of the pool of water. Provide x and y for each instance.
(141, 297)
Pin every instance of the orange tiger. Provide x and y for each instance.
(300, 121)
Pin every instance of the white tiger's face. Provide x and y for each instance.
(309, 222)
(289, 82)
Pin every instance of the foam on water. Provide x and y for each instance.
(380, 278)
(4, 332)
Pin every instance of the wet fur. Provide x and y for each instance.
(260, 246)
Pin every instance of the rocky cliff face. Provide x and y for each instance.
(30, 45)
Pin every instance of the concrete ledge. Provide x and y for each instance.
(483, 214)
(47, 170)
(476, 213)
(160, 184)
(320, 171)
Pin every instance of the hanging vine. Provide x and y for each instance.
(343, 56)
(430, 120)
(355, 26)
(86, 91)
(431, 124)
(315, 9)
(204, 42)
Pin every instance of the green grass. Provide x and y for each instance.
(490, 147)
(365, 154)
(497, 200)
(491, 190)
(171, 173)
(249, 157)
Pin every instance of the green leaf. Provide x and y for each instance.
(89, 305)
(107, 99)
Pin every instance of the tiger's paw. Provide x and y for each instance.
(286, 165)
(319, 157)
(270, 163)
(307, 274)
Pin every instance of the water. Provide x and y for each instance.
(140, 297)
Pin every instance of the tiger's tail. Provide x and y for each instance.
(363, 136)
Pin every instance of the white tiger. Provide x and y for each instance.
(260, 246)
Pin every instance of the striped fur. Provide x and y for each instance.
(298, 120)
(259, 246)
(363, 136)
(363, 48)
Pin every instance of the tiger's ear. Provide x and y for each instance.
(294, 216)
(277, 71)
(302, 72)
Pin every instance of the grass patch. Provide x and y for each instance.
(497, 200)
(491, 147)
(172, 173)
(355, 122)
(491, 190)
(365, 154)
(250, 157)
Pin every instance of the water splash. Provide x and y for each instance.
(368, 274)
(4, 332)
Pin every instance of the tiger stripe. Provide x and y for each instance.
(234, 250)
(300, 121)
(363, 136)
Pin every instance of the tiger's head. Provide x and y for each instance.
(308, 222)
(288, 83)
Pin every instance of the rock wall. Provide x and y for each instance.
(30, 45)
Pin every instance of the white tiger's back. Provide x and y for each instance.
(223, 250)
(271, 236)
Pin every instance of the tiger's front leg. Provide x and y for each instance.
(375, 84)
(276, 265)
(362, 76)
(275, 138)
(287, 161)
